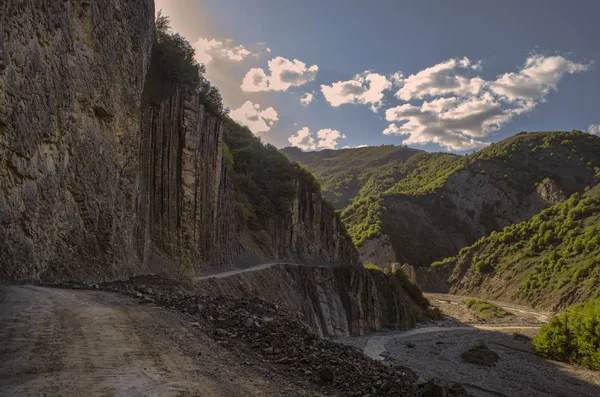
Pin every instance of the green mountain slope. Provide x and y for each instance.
(406, 205)
(551, 260)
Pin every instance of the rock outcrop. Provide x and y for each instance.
(334, 301)
(99, 181)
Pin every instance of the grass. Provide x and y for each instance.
(484, 310)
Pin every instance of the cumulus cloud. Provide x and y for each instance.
(303, 139)
(208, 49)
(283, 75)
(251, 115)
(594, 129)
(306, 99)
(538, 77)
(468, 109)
(425, 126)
(326, 139)
(440, 79)
(366, 88)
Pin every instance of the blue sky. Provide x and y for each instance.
(437, 75)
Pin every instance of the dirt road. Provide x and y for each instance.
(434, 351)
(91, 343)
(244, 270)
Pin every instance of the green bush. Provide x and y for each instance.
(176, 60)
(573, 337)
(485, 310)
(372, 266)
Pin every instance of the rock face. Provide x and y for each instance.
(97, 181)
(71, 79)
(334, 301)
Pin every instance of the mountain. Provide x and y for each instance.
(121, 162)
(551, 261)
(406, 205)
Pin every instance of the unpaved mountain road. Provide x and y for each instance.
(244, 270)
(434, 351)
(58, 342)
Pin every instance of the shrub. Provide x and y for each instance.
(485, 310)
(573, 336)
(372, 266)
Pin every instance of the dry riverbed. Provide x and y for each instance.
(434, 350)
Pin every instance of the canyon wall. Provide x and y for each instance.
(333, 301)
(97, 181)
(71, 80)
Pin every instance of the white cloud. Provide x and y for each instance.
(283, 75)
(440, 79)
(208, 49)
(366, 88)
(303, 139)
(469, 108)
(326, 139)
(538, 77)
(250, 115)
(423, 127)
(354, 147)
(306, 99)
(594, 129)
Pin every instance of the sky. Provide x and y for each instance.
(437, 75)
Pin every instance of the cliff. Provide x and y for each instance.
(106, 171)
(69, 134)
(333, 301)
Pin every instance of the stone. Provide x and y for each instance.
(326, 375)
(481, 355)
(249, 323)
(220, 333)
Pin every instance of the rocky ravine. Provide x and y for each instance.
(97, 181)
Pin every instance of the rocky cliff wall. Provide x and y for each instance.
(71, 78)
(334, 301)
(101, 177)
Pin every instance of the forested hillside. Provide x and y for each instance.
(406, 205)
(551, 260)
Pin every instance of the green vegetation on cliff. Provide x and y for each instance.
(176, 59)
(263, 178)
(574, 336)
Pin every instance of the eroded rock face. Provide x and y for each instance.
(99, 179)
(71, 78)
(334, 301)
(429, 228)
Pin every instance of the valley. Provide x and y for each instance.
(154, 243)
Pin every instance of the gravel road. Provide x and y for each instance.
(90, 343)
